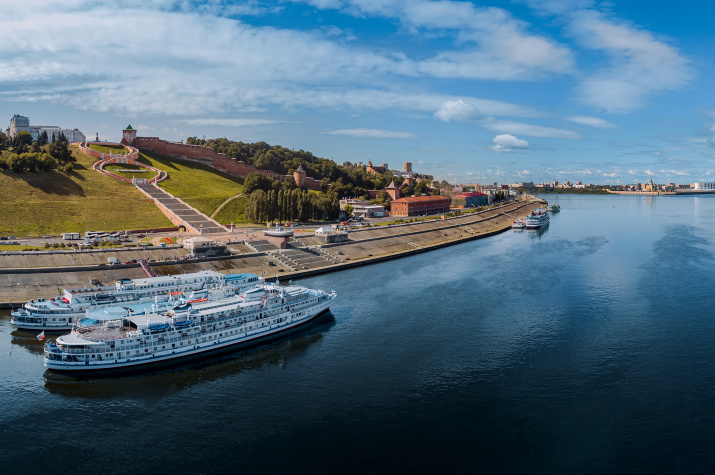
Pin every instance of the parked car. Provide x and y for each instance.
(46, 236)
(141, 236)
(94, 281)
(12, 237)
(3, 238)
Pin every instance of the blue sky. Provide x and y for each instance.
(528, 90)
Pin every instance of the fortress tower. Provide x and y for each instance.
(129, 135)
(299, 175)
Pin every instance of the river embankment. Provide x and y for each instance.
(39, 275)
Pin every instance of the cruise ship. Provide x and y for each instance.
(132, 342)
(537, 219)
(60, 313)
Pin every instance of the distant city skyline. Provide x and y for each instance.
(529, 90)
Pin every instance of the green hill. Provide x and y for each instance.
(54, 202)
(196, 184)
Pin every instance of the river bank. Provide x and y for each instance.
(305, 256)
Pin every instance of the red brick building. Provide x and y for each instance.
(419, 205)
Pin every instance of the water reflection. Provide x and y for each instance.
(538, 232)
(159, 383)
(29, 341)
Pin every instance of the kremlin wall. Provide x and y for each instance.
(218, 161)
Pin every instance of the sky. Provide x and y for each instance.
(469, 92)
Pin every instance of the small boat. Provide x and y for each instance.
(278, 231)
(554, 208)
(518, 224)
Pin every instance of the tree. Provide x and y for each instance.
(45, 163)
(325, 184)
(17, 163)
(22, 141)
(43, 139)
(419, 188)
(256, 181)
(61, 152)
(4, 142)
(349, 210)
(407, 191)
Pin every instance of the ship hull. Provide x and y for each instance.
(174, 357)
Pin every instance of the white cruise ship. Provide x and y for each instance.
(60, 313)
(127, 341)
(537, 219)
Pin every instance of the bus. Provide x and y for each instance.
(69, 236)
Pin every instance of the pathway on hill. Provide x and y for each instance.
(222, 205)
(167, 203)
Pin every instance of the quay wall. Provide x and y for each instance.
(18, 286)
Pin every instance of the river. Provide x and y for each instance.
(584, 347)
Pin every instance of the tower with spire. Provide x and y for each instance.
(129, 135)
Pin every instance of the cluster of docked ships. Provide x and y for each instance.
(158, 320)
(538, 218)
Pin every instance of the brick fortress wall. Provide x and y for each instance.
(218, 161)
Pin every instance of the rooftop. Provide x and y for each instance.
(414, 199)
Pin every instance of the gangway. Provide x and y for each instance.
(147, 270)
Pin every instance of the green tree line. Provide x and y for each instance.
(346, 180)
(291, 205)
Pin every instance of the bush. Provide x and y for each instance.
(47, 245)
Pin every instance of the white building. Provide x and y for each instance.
(703, 186)
(72, 135)
(20, 123)
(370, 211)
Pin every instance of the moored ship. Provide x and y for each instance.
(60, 313)
(554, 208)
(537, 219)
(127, 341)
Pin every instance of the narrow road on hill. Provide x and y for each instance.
(223, 204)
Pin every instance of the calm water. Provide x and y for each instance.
(584, 348)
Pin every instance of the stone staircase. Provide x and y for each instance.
(185, 212)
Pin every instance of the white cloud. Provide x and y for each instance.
(231, 122)
(648, 172)
(373, 133)
(675, 172)
(632, 172)
(641, 65)
(178, 58)
(528, 129)
(495, 45)
(611, 175)
(525, 172)
(508, 143)
(457, 110)
(590, 121)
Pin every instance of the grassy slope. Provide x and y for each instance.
(55, 202)
(198, 185)
(108, 148)
(233, 211)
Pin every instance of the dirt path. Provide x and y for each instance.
(223, 204)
